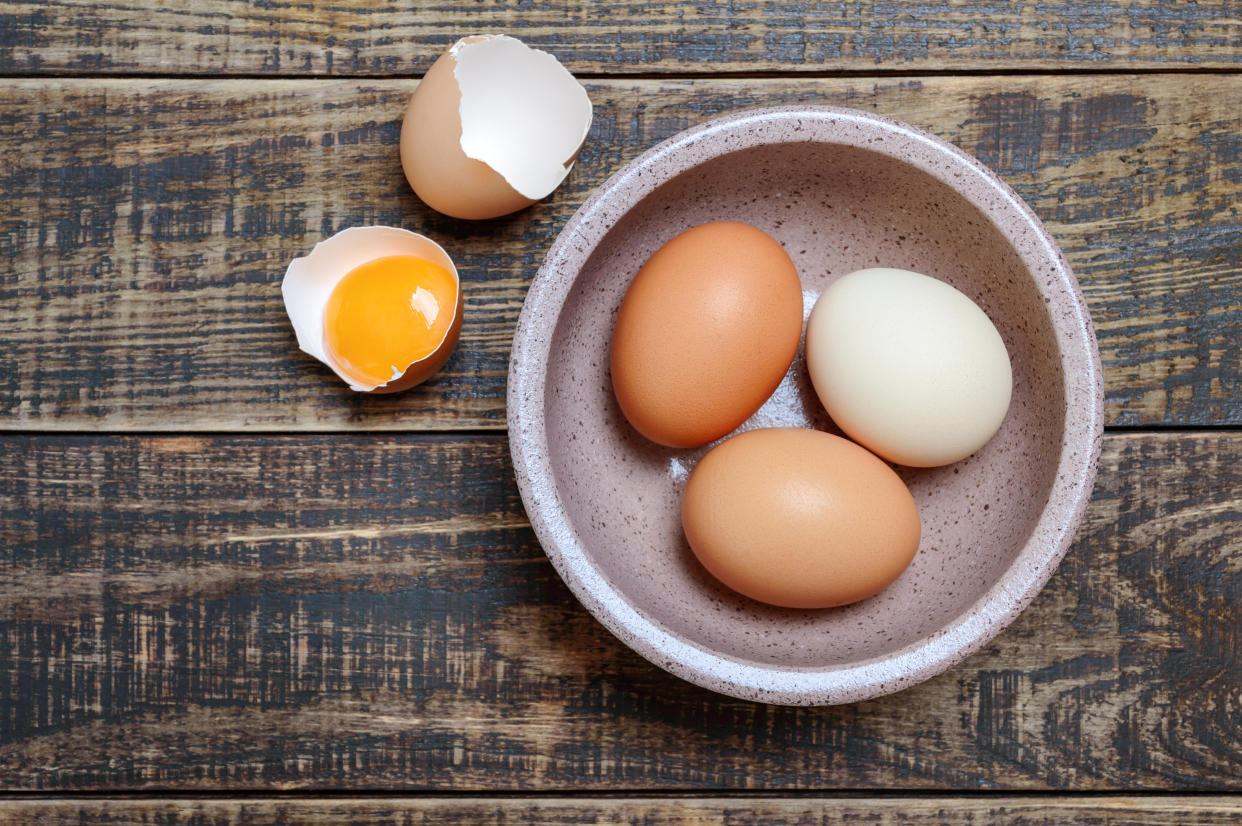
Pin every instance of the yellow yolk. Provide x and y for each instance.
(386, 314)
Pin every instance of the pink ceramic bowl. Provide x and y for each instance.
(841, 190)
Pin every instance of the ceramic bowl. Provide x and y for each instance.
(841, 190)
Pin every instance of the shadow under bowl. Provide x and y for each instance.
(840, 190)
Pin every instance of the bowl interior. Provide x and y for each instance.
(835, 208)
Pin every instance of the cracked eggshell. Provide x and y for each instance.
(309, 282)
(493, 126)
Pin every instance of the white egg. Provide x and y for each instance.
(908, 366)
(310, 280)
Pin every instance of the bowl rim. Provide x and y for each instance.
(1082, 432)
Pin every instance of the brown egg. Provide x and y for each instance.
(799, 518)
(705, 333)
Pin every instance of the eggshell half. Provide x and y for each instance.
(309, 282)
(493, 126)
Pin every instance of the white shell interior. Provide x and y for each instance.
(522, 113)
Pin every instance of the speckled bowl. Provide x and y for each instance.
(841, 190)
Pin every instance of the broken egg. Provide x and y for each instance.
(493, 126)
(381, 306)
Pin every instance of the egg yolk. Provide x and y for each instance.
(386, 314)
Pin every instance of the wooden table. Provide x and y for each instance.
(235, 592)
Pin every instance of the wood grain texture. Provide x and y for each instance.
(358, 37)
(603, 811)
(372, 611)
(147, 224)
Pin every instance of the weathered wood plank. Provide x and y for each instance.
(552, 811)
(356, 37)
(147, 224)
(372, 611)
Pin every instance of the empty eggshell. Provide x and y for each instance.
(493, 126)
(309, 282)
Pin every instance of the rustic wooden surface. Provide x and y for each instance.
(370, 611)
(645, 811)
(362, 37)
(226, 578)
(150, 225)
